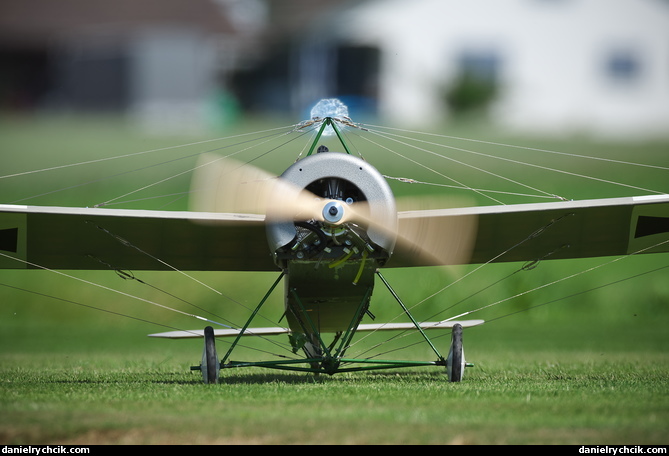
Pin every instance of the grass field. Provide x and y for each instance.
(558, 393)
(589, 367)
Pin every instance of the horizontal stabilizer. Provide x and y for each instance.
(197, 333)
(424, 325)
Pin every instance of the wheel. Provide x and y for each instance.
(455, 363)
(210, 366)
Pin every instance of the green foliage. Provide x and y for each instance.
(470, 94)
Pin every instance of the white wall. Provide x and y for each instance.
(554, 56)
(173, 79)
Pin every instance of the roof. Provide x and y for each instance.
(37, 21)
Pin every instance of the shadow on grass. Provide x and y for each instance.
(309, 378)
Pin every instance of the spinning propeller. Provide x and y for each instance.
(227, 186)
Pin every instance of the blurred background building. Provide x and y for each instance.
(549, 66)
(597, 66)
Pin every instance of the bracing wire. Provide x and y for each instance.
(477, 168)
(271, 134)
(515, 146)
(188, 171)
(104, 287)
(402, 140)
(406, 333)
(126, 275)
(529, 237)
(128, 295)
(88, 306)
(135, 154)
(119, 314)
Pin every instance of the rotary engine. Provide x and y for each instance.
(340, 184)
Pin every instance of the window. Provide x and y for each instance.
(476, 83)
(623, 67)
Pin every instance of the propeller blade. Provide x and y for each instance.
(435, 240)
(421, 232)
(224, 185)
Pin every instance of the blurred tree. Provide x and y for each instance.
(470, 93)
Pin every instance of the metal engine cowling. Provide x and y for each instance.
(339, 176)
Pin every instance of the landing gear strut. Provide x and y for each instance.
(329, 359)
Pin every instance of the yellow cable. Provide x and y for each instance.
(334, 264)
(362, 267)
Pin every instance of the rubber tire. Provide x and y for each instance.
(455, 363)
(210, 365)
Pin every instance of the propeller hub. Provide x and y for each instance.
(333, 212)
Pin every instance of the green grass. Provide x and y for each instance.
(525, 398)
(78, 376)
(589, 367)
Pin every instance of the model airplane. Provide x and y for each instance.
(328, 226)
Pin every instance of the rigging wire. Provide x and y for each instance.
(536, 233)
(518, 162)
(515, 146)
(406, 333)
(615, 282)
(88, 282)
(129, 275)
(562, 298)
(459, 162)
(270, 135)
(478, 190)
(416, 162)
(527, 266)
(135, 318)
(126, 276)
(270, 138)
(134, 154)
(562, 279)
(88, 306)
